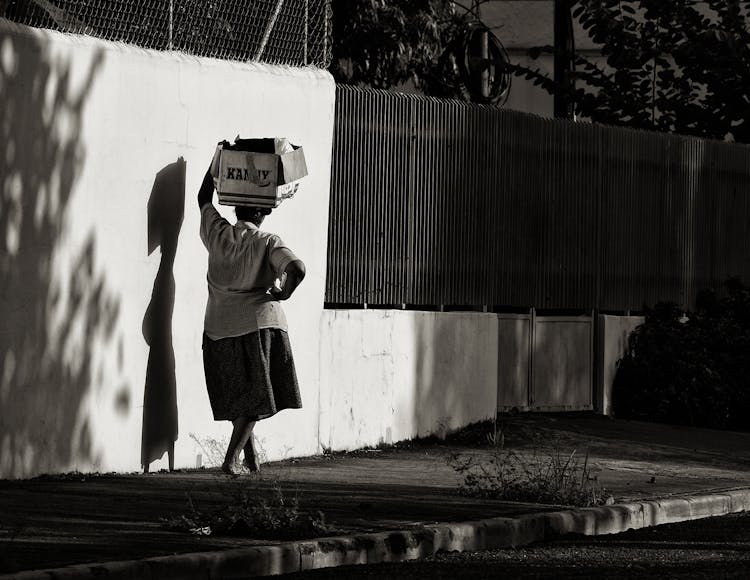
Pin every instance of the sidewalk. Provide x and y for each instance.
(385, 504)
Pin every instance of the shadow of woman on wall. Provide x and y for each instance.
(166, 208)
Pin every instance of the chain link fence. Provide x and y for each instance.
(290, 32)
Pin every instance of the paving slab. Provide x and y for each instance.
(384, 504)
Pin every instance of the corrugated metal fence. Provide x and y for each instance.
(443, 203)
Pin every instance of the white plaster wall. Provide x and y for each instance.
(87, 125)
(390, 375)
(614, 332)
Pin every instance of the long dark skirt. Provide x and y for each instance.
(250, 375)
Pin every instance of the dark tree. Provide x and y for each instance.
(679, 66)
(440, 46)
(386, 43)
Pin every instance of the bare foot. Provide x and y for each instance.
(251, 464)
(250, 460)
(234, 469)
(231, 468)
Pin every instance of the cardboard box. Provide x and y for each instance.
(258, 177)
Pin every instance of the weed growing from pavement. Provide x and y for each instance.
(550, 477)
(496, 437)
(213, 450)
(254, 514)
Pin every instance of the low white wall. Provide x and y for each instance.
(614, 332)
(91, 130)
(390, 375)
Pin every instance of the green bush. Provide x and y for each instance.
(690, 368)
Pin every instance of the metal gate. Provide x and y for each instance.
(545, 363)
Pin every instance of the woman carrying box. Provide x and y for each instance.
(247, 357)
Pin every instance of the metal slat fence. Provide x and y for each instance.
(439, 203)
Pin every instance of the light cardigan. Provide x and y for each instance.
(243, 263)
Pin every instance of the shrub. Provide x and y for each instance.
(551, 477)
(272, 517)
(690, 368)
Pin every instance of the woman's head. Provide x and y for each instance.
(255, 215)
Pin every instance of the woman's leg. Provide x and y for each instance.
(241, 432)
(251, 458)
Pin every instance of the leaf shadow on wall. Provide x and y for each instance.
(59, 316)
(166, 209)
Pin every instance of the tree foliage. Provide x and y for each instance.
(679, 66)
(386, 43)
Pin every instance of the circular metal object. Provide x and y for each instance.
(482, 63)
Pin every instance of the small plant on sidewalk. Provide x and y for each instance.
(253, 514)
(213, 450)
(551, 477)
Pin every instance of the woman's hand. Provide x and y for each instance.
(290, 279)
(278, 285)
(206, 191)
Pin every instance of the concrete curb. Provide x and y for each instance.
(407, 545)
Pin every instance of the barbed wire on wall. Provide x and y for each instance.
(289, 32)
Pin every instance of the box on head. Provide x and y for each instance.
(257, 172)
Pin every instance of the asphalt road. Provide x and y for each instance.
(714, 548)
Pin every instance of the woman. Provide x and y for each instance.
(247, 357)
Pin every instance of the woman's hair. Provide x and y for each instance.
(251, 214)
